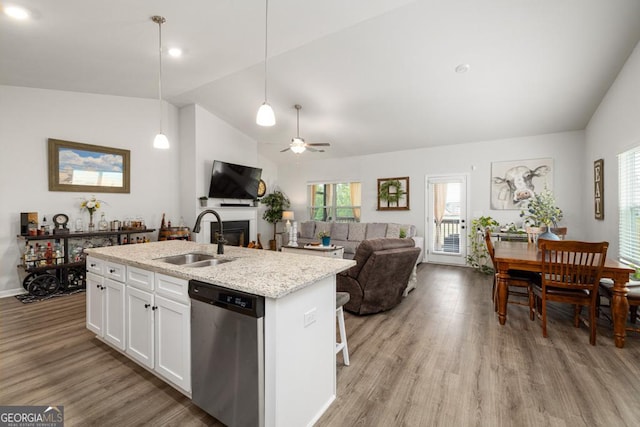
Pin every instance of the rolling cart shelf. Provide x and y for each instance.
(67, 275)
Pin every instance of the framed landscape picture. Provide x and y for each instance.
(74, 166)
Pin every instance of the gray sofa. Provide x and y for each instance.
(351, 234)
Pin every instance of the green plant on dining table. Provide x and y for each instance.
(542, 210)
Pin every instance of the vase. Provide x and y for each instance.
(548, 235)
(92, 226)
(326, 241)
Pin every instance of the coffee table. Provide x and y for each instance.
(324, 251)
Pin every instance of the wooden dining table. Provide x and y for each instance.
(526, 256)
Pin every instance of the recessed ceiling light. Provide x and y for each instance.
(176, 52)
(462, 68)
(16, 12)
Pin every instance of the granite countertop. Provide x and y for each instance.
(260, 272)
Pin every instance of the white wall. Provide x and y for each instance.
(28, 117)
(614, 128)
(565, 148)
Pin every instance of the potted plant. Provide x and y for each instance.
(542, 210)
(479, 257)
(276, 203)
(203, 201)
(325, 237)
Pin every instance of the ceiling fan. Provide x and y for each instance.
(298, 145)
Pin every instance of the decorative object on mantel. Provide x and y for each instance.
(276, 203)
(513, 183)
(87, 168)
(598, 188)
(203, 201)
(542, 210)
(393, 194)
(91, 205)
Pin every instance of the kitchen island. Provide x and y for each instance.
(299, 316)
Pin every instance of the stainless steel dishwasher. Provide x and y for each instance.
(227, 354)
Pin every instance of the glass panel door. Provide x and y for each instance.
(446, 219)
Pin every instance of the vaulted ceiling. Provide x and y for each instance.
(372, 75)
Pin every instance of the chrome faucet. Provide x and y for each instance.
(220, 241)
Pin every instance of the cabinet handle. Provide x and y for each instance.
(93, 265)
(98, 286)
(147, 305)
(111, 271)
(154, 308)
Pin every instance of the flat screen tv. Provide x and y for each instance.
(230, 181)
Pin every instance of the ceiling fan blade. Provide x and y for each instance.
(317, 144)
(286, 149)
(315, 150)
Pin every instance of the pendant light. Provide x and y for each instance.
(265, 116)
(160, 140)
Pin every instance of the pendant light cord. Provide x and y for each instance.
(160, 21)
(266, 32)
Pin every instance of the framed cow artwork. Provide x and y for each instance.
(514, 182)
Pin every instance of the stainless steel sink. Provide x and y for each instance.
(188, 258)
(207, 262)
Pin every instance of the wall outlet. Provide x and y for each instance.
(309, 317)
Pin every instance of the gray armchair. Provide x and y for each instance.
(379, 278)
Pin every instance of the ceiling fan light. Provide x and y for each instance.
(298, 149)
(265, 116)
(161, 142)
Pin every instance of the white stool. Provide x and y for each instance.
(341, 299)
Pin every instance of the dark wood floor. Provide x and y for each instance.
(440, 358)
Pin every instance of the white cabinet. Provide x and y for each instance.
(159, 324)
(95, 306)
(113, 293)
(140, 326)
(173, 341)
(106, 303)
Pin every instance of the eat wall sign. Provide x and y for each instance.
(598, 188)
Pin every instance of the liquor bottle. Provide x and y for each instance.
(59, 256)
(103, 225)
(49, 254)
(162, 224)
(25, 255)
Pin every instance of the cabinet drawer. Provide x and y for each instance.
(114, 271)
(139, 278)
(172, 287)
(94, 266)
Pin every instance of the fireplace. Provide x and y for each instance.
(236, 233)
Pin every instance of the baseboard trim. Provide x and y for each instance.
(12, 292)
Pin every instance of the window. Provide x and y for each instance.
(337, 202)
(629, 206)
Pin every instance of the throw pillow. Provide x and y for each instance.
(323, 226)
(393, 231)
(410, 230)
(339, 231)
(376, 230)
(356, 231)
(307, 229)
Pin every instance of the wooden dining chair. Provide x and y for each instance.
(561, 232)
(518, 282)
(532, 234)
(633, 296)
(571, 274)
